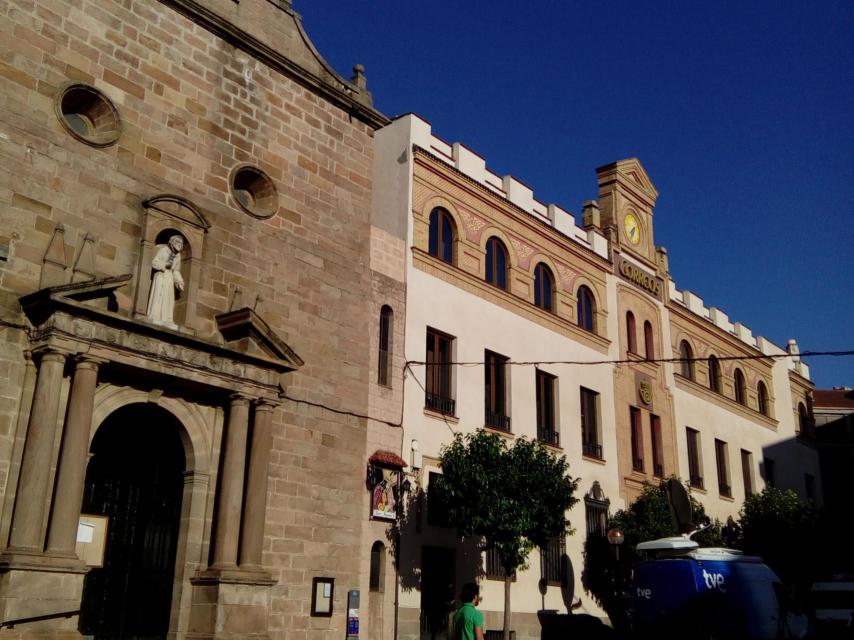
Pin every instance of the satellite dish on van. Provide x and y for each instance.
(680, 506)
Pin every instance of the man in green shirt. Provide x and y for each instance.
(468, 621)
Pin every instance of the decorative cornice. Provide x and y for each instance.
(728, 404)
(484, 194)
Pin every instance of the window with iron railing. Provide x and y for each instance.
(695, 470)
(438, 395)
(546, 423)
(590, 444)
(494, 568)
(723, 468)
(596, 515)
(657, 446)
(551, 559)
(495, 391)
(636, 439)
(747, 472)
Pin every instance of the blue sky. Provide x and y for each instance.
(742, 113)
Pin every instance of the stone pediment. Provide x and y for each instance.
(99, 293)
(247, 331)
(630, 174)
(177, 207)
(73, 318)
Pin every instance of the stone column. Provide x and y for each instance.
(71, 473)
(252, 529)
(231, 485)
(33, 482)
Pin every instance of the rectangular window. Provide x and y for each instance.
(550, 560)
(494, 568)
(437, 511)
(695, 468)
(747, 472)
(590, 444)
(809, 482)
(439, 357)
(637, 439)
(495, 391)
(769, 472)
(384, 359)
(657, 447)
(596, 515)
(546, 424)
(723, 468)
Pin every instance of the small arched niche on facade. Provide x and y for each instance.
(166, 219)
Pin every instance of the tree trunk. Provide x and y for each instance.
(508, 580)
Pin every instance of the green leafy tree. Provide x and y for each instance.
(607, 571)
(777, 526)
(515, 497)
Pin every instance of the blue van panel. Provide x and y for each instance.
(675, 597)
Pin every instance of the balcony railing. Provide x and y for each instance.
(696, 482)
(438, 403)
(658, 470)
(497, 420)
(725, 490)
(592, 449)
(637, 464)
(549, 436)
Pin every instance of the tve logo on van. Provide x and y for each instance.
(714, 580)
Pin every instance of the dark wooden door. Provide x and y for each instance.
(135, 477)
(438, 577)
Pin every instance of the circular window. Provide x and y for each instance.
(88, 115)
(254, 192)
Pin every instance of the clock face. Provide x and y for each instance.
(632, 228)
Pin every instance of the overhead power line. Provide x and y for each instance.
(773, 356)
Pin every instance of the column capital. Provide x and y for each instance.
(265, 404)
(86, 361)
(239, 398)
(51, 354)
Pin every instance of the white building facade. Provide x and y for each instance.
(501, 281)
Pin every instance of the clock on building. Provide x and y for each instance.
(632, 228)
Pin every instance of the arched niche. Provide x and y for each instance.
(166, 215)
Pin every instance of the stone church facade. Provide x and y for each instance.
(224, 440)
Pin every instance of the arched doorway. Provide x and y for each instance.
(135, 477)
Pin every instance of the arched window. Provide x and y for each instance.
(384, 358)
(762, 397)
(586, 309)
(740, 387)
(496, 263)
(377, 574)
(686, 355)
(543, 287)
(714, 374)
(648, 340)
(441, 243)
(631, 337)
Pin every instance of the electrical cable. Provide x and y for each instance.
(773, 356)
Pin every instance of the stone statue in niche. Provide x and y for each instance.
(166, 282)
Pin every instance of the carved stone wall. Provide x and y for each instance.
(192, 106)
